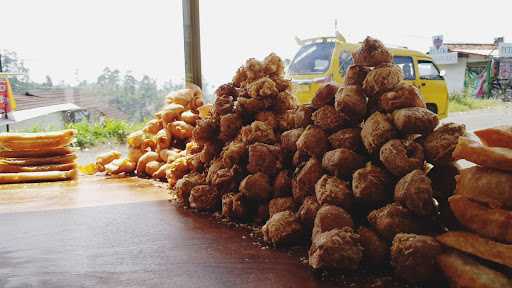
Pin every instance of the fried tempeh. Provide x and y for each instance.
(478, 246)
(494, 157)
(45, 152)
(42, 168)
(463, 271)
(35, 141)
(62, 159)
(500, 136)
(23, 177)
(492, 223)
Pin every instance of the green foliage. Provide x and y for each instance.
(460, 102)
(110, 131)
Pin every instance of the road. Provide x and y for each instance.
(483, 118)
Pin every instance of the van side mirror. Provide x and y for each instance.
(442, 73)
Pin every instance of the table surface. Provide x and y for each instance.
(101, 232)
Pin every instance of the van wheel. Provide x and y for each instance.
(432, 107)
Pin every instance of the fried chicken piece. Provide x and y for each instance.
(303, 184)
(337, 248)
(313, 141)
(230, 125)
(351, 101)
(402, 156)
(282, 185)
(414, 192)
(415, 120)
(372, 53)
(185, 184)
(325, 95)
(382, 79)
(264, 158)
(204, 198)
(356, 74)
(348, 138)
(500, 136)
(307, 212)
(413, 257)
(258, 132)
(330, 190)
(289, 139)
(273, 65)
(256, 187)
(329, 119)
(371, 185)
(375, 250)
(492, 157)
(280, 204)
(377, 130)
(282, 228)
(439, 145)
(262, 88)
(342, 162)
(330, 217)
(404, 95)
(205, 130)
(393, 219)
(234, 153)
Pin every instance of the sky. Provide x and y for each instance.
(73, 40)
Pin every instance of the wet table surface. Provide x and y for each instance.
(99, 232)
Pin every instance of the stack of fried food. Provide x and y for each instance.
(37, 157)
(162, 146)
(482, 204)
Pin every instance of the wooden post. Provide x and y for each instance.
(192, 42)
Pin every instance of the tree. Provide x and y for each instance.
(11, 63)
(49, 82)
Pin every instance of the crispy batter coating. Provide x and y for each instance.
(342, 162)
(230, 125)
(330, 190)
(307, 212)
(500, 136)
(413, 257)
(303, 184)
(337, 248)
(377, 130)
(325, 95)
(281, 228)
(191, 148)
(403, 96)
(356, 75)
(267, 117)
(209, 152)
(393, 219)
(282, 84)
(302, 116)
(382, 79)
(282, 184)
(177, 169)
(223, 105)
(226, 179)
(372, 53)
(262, 88)
(234, 153)
(256, 187)
(313, 141)
(205, 198)
(348, 138)
(284, 101)
(371, 185)
(240, 77)
(402, 156)
(493, 157)
(414, 191)
(329, 119)
(264, 158)
(439, 145)
(273, 65)
(227, 89)
(205, 130)
(280, 204)
(185, 184)
(375, 250)
(286, 120)
(415, 120)
(246, 105)
(258, 132)
(289, 139)
(352, 102)
(330, 217)
(254, 69)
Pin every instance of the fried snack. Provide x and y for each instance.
(205, 130)
(329, 119)
(313, 141)
(282, 227)
(178, 168)
(144, 160)
(348, 138)
(258, 132)
(184, 186)
(262, 88)
(404, 95)
(415, 120)
(413, 257)
(280, 204)
(189, 117)
(464, 271)
(264, 158)
(46, 152)
(120, 166)
(372, 53)
(267, 117)
(283, 102)
(382, 79)
(105, 158)
(330, 190)
(245, 105)
(375, 250)
(303, 184)
(152, 167)
(330, 217)
(135, 139)
(342, 162)
(492, 223)
(161, 173)
(325, 95)
(307, 212)
(204, 198)
(486, 185)
(377, 130)
(273, 65)
(439, 145)
(36, 141)
(302, 116)
(493, 157)
(223, 105)
(478, 246)
(226, 179)
(230, 125)
(371, 185)
(234, 153)
(153, 126)
(210, 151)
(402, 156)
(393, 219)
(261, 215)
(180, 129)
(169, 155)
(185, 97)
(62, 159)
(356, 74)
(414, 192)
(500, 136)
(351, 101)
(282, 184)
(256, 187)
(193, 147)
(215, 166)
(148, 144)
(47, 176)
(299, 157)
(289, 139)
(337, 248)
(163, 139)
(41, 168)
(134, 154)
(227, 205)
(205, 111)
(170, 113)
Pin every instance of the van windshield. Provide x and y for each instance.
(312, 58)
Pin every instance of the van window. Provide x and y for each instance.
(428, 71)
(312, 58)
(405, 63)
(345, 61)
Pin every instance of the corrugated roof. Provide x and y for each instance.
(482, 49)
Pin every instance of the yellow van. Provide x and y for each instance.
(325, 59)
